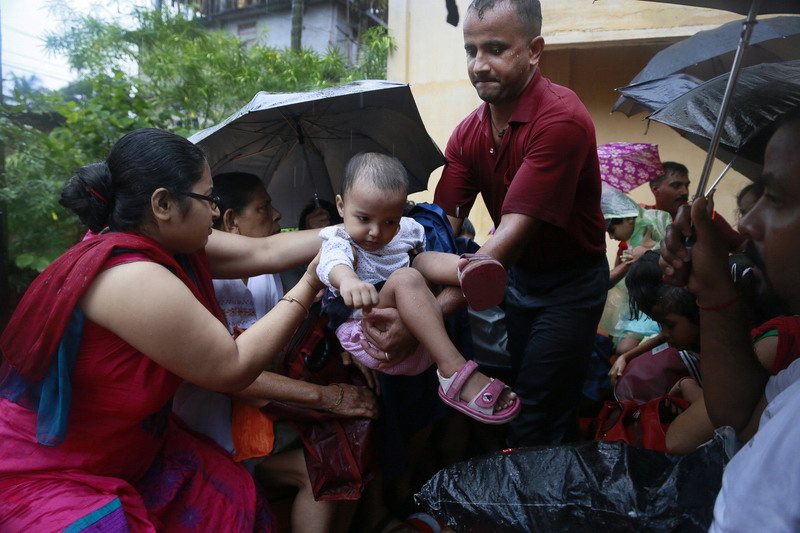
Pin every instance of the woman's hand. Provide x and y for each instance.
(368, 373)
(310, 275)
(355, 401)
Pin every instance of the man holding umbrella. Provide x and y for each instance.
(737, 388)
(530, 151)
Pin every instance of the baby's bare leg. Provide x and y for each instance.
(482, 279)
(438, 267)
(407, 291)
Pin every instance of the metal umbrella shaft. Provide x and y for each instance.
(747, 30)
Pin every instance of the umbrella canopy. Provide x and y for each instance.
(625, 166)
(768, 7)
(711, 53)
(762, 95)
(299, 143)
(655, 94)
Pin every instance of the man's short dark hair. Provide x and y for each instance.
(671, 167)
(529, 11)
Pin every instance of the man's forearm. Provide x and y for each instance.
(733, 379)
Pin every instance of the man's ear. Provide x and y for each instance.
(653, 187)
(535, 49)
(163, 204)
(229, 222)
(340, 205)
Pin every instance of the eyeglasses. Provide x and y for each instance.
(213, 200)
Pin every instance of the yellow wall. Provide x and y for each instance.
(592, 48)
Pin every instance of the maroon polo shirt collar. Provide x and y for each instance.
(522, 112)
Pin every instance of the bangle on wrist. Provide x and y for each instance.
(719, 307)
(295, 300)
(339, 399)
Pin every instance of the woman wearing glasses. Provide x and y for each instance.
(104, 336)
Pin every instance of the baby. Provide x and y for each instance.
(371, 254)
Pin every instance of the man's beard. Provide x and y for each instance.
(751, 252)
(767, 301)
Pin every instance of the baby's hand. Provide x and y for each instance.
(358, 294)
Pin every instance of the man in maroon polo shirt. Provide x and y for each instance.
(671, 190)
(530, 152)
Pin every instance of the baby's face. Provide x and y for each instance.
(371, 216)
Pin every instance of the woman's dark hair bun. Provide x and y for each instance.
(117, 192)
(89, 195)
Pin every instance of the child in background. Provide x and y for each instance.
(747, 198)
(373, 249)
(638, 230)
(675, 310)
(651, 297)
(774, 343)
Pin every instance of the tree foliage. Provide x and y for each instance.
(167, 71)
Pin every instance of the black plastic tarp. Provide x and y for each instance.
(595, 486)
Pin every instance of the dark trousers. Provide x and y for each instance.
(552, 321)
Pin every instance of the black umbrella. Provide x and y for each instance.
(768, 7)
(299, 143)
(762, 95)
(655, 94)
(747, 30)
(710, 53)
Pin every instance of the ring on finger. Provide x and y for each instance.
(386, 355)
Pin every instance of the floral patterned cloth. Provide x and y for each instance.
(625, 166)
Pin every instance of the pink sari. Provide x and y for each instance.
(126, 463)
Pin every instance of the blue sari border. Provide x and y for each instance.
(110, 512)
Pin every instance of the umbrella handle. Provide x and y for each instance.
(744, 41)
(710, 190)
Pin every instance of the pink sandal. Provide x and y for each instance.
(481, 407)
(483, 281)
